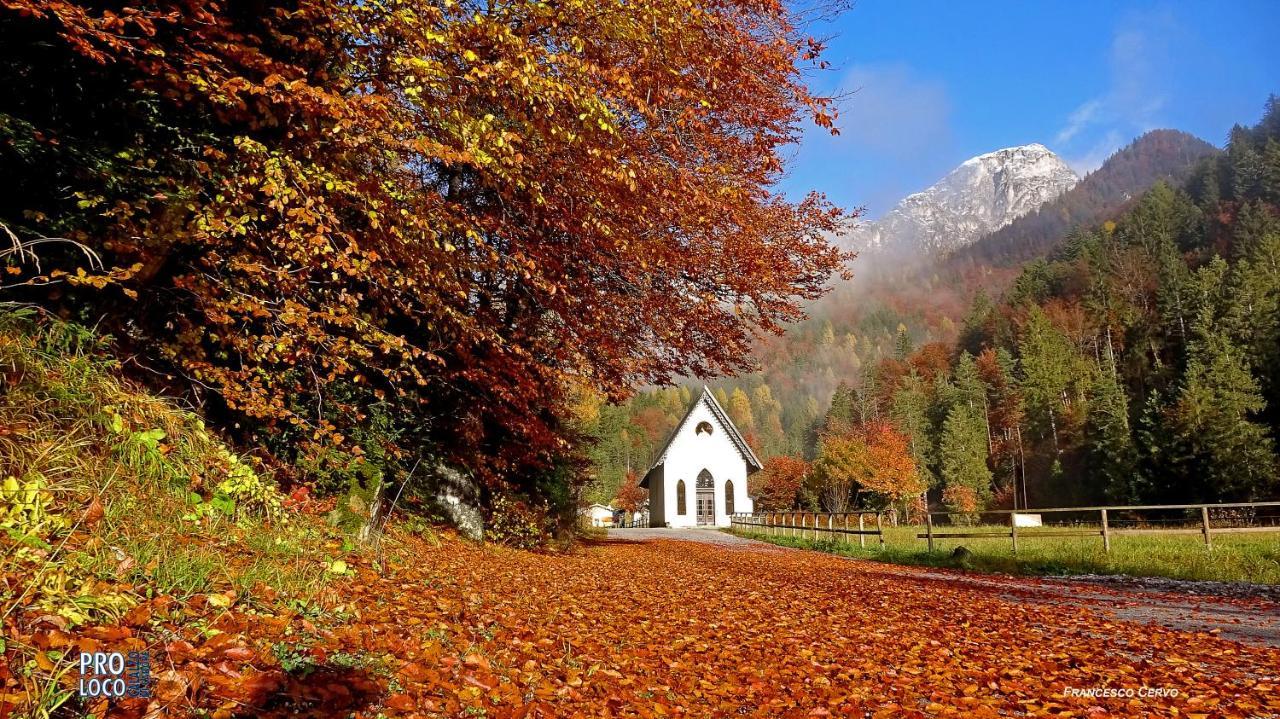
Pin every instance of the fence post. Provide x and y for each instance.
(928, 527)
(846, 527)
(862, 538)
(880, 530)
(1013, 531)
(831, 536)
(1106, 535)
(1204, 520)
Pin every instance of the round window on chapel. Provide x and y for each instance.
(702, 428)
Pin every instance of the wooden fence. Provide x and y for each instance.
(811, 525)
(1232, 518)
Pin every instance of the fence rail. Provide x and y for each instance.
(1244, 519)
(791, 523)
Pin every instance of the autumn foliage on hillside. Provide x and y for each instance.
(356, 232)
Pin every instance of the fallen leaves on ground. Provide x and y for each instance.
(674, 629)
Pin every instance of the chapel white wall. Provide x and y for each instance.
(688, 455)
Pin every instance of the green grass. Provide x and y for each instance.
(110, 495)
(1253, 558)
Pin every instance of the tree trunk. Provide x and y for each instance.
(384, 499)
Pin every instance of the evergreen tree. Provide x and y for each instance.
(1271, 171)
(1252, 316)
(1253, 222)
(1205, 185)
(976, 331)
(972, 391)
(963, 451)
(1112, 457)
(1220, 452)
(902, 344)
(842, 413)
(1245, 164)
(910, 413)
(1046, 357)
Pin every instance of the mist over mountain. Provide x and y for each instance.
(983, 194)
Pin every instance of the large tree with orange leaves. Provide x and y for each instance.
(872, 458)
(320, 216)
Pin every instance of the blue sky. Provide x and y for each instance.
(938, 82)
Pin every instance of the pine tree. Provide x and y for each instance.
(828, 334)
(1252, 316)
(1222, 452)
(910, 415)
(975, 332)
(721, 396)
(1112, 458)
(842, 413)
(973, 391)
(1047, 358)
(963, 451)
(902, 344)
(1246, 166)
(1253, 222)
(1205, 185)
(1271, 171)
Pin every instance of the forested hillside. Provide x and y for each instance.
(1137, 362)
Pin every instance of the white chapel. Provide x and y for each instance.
(700, 476)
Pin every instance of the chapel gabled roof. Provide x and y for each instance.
(722, 418)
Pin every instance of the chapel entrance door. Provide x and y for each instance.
(706, 499)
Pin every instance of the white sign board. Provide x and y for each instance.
(1027, 520)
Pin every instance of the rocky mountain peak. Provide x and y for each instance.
(983, 194)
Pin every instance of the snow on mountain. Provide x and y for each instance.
(983, 194)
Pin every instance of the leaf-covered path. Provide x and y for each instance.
(668, 628)
(665, 628)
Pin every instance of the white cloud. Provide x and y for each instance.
(895, 136)
(1136, 93)
(1078, 120)
(892, 110)
(1093, 157)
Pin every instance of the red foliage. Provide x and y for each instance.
(931, 360)
(447, 212)
(630, 495)
(777, 485)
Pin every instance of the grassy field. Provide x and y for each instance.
(1253, 558)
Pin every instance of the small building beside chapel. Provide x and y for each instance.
(700, 477)
(598, 515)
